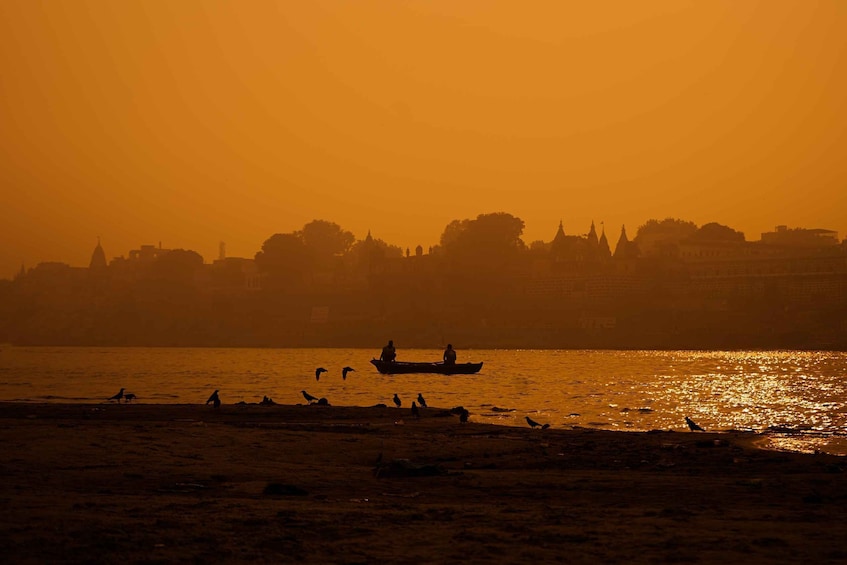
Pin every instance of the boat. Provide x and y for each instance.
(404, 367)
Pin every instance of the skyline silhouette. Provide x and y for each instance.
(195, 123)
(672, 285)
(596, 229)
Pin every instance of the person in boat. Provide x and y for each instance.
(388, 352)
(449, 355)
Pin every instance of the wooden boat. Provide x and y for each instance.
(404, 367)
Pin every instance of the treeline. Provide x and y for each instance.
(481, 286)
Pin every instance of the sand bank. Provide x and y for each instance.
(179, 483)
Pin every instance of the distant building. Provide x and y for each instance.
(800, 237)
(98, 258)
(147, 253)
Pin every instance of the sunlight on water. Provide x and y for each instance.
(798, 398)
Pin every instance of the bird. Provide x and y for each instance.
(129, 397)
(214, 399)
(318, 372)
(415, 412)
(309, 398)
(421, 400)
(346, 370)
(397, 400)
(692, 425)
(463, 415)
(533, 424)
(118, 396)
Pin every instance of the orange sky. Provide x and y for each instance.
(196, 122)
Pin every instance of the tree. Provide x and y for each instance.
(284, 259)
(489, 239)
(670, 227)
(477, 255)
(656, 238)
(371, 250)
(714, 231)
(324, 240)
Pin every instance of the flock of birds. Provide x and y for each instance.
(462, 412)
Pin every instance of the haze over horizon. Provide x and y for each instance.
(192, 123)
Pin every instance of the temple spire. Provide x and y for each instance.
(603, 243)
(98, 257)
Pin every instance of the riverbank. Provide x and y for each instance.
(281, 483)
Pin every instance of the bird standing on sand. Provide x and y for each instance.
(415, 412)
(346, 370)
(129, 397)
(309, 398)
(421, 400)
(533, 424)
(318, 372)
(118, 396)
(215, 399)
(692, 425)
(397, 402)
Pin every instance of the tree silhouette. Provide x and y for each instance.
(489, 239)
(714, 231)
(324, 241)
(662, 237)
(284, 259)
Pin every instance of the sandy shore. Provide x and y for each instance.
(179, 483)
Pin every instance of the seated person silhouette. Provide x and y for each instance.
(449, 355)
(388, 352)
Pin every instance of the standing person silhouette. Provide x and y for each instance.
(388, 352)
(449, 355)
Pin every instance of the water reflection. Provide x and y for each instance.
(799, 395)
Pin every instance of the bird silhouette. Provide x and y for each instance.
(397, 402)
(346, 370)
(215, 399)
(533, 424)
(118, 396)
(463, 415)
(692, 425)
(309, 398)
(318, 372)
(415, 412)
(421, 400)
(129, 397)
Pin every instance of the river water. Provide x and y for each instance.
(796, 399)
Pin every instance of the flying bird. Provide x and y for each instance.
(346, 370)
(129, 397)
(397, 402)
(415, 412)
(214, 399)
(118, 396)
(309, 398)
(318, 372)
(692, 425)
(421, 400)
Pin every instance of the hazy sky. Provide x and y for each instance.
(193, 122)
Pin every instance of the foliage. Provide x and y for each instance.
(372, 250)
(487, 238)
(672, 228)
(325, 240)
(714, 231)
(284, 258)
